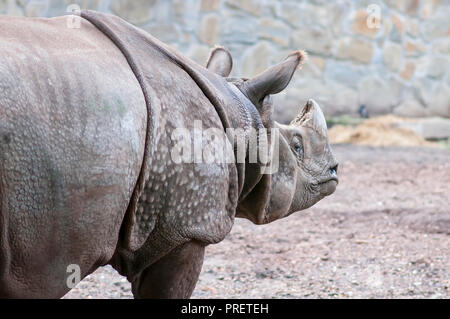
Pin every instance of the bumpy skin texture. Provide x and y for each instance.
(87, 176)
(177, 203)
(72, 131)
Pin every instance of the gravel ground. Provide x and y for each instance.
(385, 233)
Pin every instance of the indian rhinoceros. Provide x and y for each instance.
(87, 173)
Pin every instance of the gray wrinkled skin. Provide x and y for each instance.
(76, 146)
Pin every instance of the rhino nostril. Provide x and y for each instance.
(334, 169)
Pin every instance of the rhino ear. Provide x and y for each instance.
(273, 80)
(220, 61)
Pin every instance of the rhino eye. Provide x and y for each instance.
(298, 148)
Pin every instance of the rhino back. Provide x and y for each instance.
(72, 132)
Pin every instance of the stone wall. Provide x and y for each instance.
(395, 61)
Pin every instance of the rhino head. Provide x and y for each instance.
(307, 167)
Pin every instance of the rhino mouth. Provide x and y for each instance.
(328, 186)
(330, 180)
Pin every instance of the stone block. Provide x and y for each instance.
(136, 11)
(36, 9)
(438, 26)
(378, 95)
(275, 31)
(313, 39)
(165, 32)
(253, 7)
(210, 5)
(393, 56)
(408, 71)
(256, 59)
(209, 28)
(355, 49)
(360, 25)
(414, 47)
(410, 108)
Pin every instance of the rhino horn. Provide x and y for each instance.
(312, 116)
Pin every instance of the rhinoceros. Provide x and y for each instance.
(87, 172)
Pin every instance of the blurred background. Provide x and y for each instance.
(391, 56)
(366, 58)
(381, 72)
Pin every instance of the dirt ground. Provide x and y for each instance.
(385, 233)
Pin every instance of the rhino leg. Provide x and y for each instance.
(173, 276)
